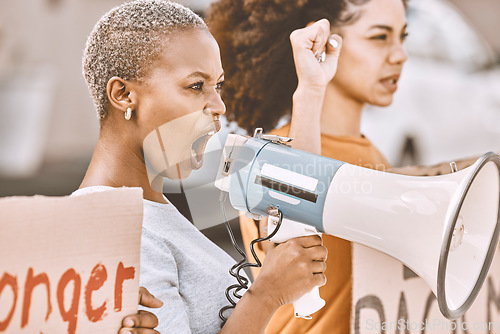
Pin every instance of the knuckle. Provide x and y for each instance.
(294, 35)
(295, 253)
(130, 321)
(303, 266)
(319, 267)
(295, 248)
(320, 279)
(318, 239)
(325, 252)
(146, 317)
(154, 320)
(325, 23)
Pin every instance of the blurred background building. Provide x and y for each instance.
(447, 105)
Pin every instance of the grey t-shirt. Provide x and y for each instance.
(182, 268)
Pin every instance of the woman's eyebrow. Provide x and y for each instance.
(381, 26)
(385, 27)
(203, 75)
(199, 74)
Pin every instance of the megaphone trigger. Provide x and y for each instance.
(290, 229)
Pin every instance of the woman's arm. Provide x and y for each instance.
(439, 169)
(313, 76)
(289, 271)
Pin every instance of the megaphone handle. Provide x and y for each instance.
(311, 301)
(308, 304)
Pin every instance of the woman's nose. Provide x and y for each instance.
(216, 106)
(398, 54)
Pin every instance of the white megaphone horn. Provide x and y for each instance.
(445, 228)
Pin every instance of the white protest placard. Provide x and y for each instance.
(69, 264)
(389, 298)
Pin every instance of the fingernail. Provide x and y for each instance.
(333, 42)
(129, 323)
(126, 332)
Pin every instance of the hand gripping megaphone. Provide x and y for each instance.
(445, 228)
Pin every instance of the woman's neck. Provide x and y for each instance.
(341, 114)
(117, 163)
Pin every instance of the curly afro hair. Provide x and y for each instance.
(257, 55)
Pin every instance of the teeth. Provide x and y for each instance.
(194, 156)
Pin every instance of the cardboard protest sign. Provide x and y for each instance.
(69, 264)
(389, 298)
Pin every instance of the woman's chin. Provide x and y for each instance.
(382, 101)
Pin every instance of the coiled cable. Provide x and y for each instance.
(233, 291)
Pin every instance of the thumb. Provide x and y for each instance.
(147, 299)
(333, 47)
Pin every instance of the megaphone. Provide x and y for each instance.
(445, 228)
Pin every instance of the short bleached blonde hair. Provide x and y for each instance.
(127, 40)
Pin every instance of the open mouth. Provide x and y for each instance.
(391, 83)
(198, 147)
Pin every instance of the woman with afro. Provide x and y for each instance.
(263, 83)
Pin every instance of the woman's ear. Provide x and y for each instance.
(120, 95)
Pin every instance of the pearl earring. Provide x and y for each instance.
(128, 114)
